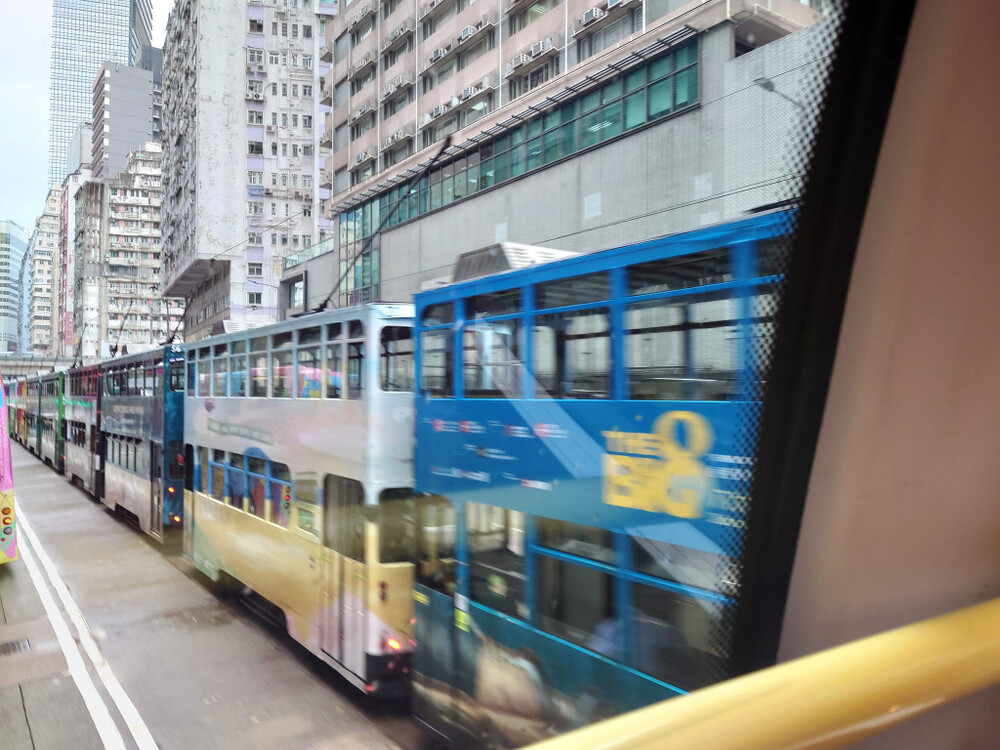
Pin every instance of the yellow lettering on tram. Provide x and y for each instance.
(421, 598)
(662, 474)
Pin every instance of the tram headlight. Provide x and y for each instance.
(7, 520)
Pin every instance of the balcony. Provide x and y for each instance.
(326, 53)
(358, 17)
(432, 9)
(533, 57)
(397, 85)
(361, 65)
(397, 36)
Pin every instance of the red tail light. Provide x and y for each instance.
(393, 644)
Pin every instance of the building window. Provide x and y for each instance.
(255, 208)
(606, 36)
(295, 31)
(255, 238)
(255, 56)
(254, 299)
(255, 117)
(519, 85)
(255, 89)
(284, 29)
(272, 57)
(307, 61)
(274, 148)
(274, 27)
(307, 90)
(255, 147)
(255, 178)
(256, 26)
(255, 270)
(307, 150)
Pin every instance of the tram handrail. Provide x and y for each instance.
(829, 699)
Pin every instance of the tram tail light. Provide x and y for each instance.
(177, 519)
(393, 644)
(171, 490)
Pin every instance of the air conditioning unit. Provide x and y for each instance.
(519, 60)
(617, 3)
(363, 156)
(438, 54)
(394, 34)
(592, 15)
(469, 92)
(539, 47)
(467, 32)
(258, 97)
(438, 110)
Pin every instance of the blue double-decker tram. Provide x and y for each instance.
(583, 474)
(142, 436)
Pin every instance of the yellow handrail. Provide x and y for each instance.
(828, 699)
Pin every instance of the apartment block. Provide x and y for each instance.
(242, 120)
(13, 248)
(123, 115)
(64, 265)
(118, 305)
(580, 124)
(43, 249)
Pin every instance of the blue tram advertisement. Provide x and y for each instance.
(142, 429)
(582, 474)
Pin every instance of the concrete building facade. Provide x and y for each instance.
(122, 116)
(13, 249)
(43, 250)
(242, 120)
(118, 304)
(64, 266)
(575, 125)
(85, 34)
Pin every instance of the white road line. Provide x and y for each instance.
(140, 732)
(106, 727)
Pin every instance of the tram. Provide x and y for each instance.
(139, 459)
(83, 445)
(301, 435)
(8, 509)
(51, 419)
(580, 512)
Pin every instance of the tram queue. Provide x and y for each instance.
(521, 497)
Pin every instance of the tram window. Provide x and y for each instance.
(238, 376)
(334, 371)
(281, 373)
(763, 305)
(396, 527)
(130, 455)
(344, 528)
(355, 369)
(192, 370)
(659, 334)
(496, 558)
(396, 360)
(577, 603)
(436, 363)
(334, 331)
(236, 479)
(149, 385)
(491, 359)
(436, 524)
(204, 378)
(257, 485)
(281, 340)
(310, 372)
(576, 291)
(355, 330)
(219, 475)
(692, 567)
(683, 272)
(507, 302)
(177, 375)
(573, 354)
(436, 315)
(221, 375)
(258, 375)
(310, 335)
(583, 541)
(258, 344)
(674, 637)
(238, 347)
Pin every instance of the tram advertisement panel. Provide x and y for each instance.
(668, 465)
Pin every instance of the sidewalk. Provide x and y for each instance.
(40, 706)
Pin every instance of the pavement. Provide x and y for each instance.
(110, 640)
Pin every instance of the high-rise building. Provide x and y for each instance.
(574, 124)
(85, 34)
(117, 269)
(13, 247)
(241, 123)
(42, 249)
(64, 265)
(122, 116)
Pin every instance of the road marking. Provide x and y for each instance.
(140, 732)
(106, 728)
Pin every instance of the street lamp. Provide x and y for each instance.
(768, 85)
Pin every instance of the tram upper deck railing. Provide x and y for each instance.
(830, 699)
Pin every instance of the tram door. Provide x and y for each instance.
(344, 589)
(156, 491)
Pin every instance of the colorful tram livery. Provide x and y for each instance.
(8, 510)
(83, 442)
(579, 525)
(302, 437)
(142, 428)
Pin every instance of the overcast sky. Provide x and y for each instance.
(24, 104)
